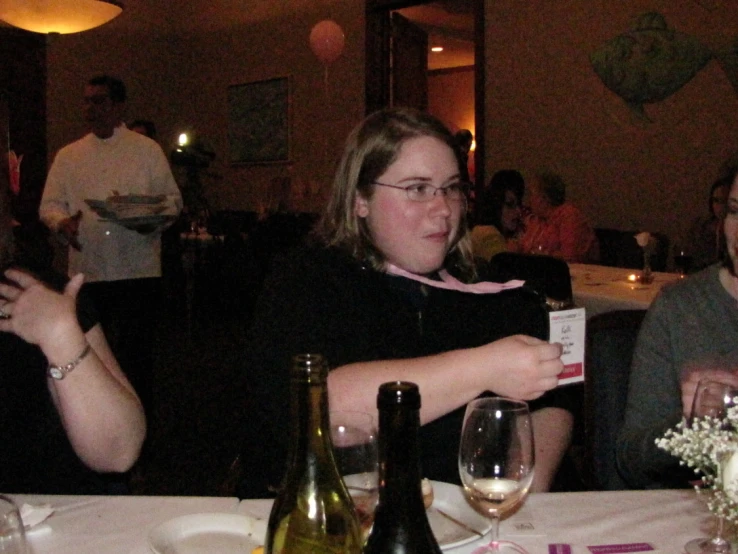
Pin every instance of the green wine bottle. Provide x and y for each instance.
(400, 522)
(313, 512)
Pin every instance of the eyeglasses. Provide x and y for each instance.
(423, 192)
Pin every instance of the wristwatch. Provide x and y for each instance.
(58, 372)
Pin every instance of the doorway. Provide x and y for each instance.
(383, 86)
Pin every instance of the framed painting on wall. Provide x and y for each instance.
(259, 122)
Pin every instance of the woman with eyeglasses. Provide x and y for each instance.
(499, 210)
(378, 294)
(688, 334)
(707, 240)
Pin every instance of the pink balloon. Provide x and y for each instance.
(327, 41)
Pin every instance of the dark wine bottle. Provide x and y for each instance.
(313, 511)
(400, 522)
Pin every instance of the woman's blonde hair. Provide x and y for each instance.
(370, 149)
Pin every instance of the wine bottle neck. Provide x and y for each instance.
(399, 451)
(311, 424)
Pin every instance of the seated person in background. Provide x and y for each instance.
(59, 435)
(556, 227)
(689, 333)
(499, 214)
(368, 296)
(706, 237)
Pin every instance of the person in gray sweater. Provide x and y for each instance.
(689, 333)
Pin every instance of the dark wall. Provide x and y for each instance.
(23, 87)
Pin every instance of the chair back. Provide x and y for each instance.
(611, 338)
(546, 274)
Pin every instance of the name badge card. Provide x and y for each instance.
(568, 327)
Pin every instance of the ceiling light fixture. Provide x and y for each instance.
(437, 49)
(58, 16)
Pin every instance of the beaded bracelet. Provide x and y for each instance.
(58, 372)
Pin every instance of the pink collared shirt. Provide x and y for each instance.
(565, 233)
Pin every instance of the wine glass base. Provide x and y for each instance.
(500, 546)
(707, 546)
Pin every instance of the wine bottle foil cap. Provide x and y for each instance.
(398, 393)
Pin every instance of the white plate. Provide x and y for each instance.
(450, 498)
(208, 534)
(231, 533)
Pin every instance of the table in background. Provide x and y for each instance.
(120, 524)
(599, 288)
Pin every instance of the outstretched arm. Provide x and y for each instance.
(518, 366)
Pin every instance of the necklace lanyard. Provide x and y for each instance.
(448, 282)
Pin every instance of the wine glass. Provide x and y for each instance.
(496, 458)
(354, 437)
(12, 534)
(682, 261)
(711, 399)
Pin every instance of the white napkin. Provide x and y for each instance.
(33, 516)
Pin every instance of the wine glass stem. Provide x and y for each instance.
(718, 542)
(495, 542)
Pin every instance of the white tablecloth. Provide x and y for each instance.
(665, 519)
(111, 524)
(600, 288)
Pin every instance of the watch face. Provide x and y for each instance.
(56, 373)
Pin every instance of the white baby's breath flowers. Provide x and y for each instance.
(647, 242)
(710, 447)
(643, 239)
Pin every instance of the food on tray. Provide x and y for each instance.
(130, 208)
(136, 198)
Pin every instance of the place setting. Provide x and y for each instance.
(453, 520)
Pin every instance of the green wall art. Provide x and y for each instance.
(650, 62)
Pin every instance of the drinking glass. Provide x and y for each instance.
(496, 458)
(682, 261)
(354, 437)
(12, 535)
(711, 399)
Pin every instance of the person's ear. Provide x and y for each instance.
(361, 206)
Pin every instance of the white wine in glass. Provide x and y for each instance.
(711, 399)
(496, 461)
